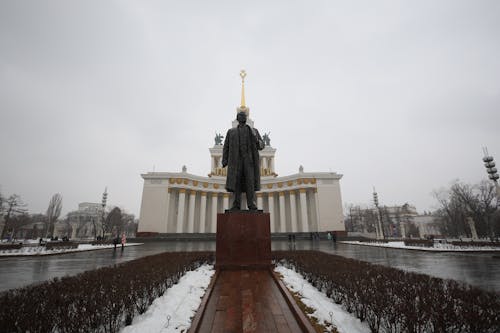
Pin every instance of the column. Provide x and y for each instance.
(270, 197)
(316, 205)
(192, 198)
(213, 223)
(271, 164)
(282, 212)
(293, 211)
(260, 203)
(303, 210)
(264, 163)
(203, 211)
(225, 201)
(180, 210)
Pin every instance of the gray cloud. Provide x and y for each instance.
(400, 95)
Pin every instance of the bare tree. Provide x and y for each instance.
(13, 206)
(2, 201)
(462, 201)
(53, 213)
(16, 222)
(114, 222)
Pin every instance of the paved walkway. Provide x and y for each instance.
(247, 301)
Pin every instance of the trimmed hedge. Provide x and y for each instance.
(10, 246)
(392, 300)
(474, 244)
(102, 300)
(61, 245)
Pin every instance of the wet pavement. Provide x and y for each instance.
(478, 269)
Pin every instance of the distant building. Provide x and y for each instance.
(397, 221)
(86, 222)
(427, 225)
(82, 223)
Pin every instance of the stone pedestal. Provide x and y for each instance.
(243, 240)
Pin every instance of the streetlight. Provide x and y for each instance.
(103, 203)
(489, 164)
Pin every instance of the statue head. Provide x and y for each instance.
(241, 117)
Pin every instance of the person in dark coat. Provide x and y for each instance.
(241, 156)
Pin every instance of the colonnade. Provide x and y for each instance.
(195, 211)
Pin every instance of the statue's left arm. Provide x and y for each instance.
(225, 151)
(258, 140)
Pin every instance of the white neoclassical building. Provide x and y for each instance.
(180, 202)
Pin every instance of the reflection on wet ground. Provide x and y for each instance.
(482, 270)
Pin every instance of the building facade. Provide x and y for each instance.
(180, 202)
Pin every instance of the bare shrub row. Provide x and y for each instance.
(102, 300)
(392, 300)
(419, 242)
(478, 244)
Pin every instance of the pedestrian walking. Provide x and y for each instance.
(124, 240)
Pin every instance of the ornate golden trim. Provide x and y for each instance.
(182, 190)
(289, 183)
(178, 180)
(195, 183)
(185, 181)
(203, 193)
(302, 190)
(280, 185)
(225, 195)
(299, 181)
(216, 186)
(205, 184)
(171, 180)
(269, 186)
(313, 181)
(281, 193)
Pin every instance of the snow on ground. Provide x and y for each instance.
(438, 247)
(173, 312)
(325, 309)
(41, 251)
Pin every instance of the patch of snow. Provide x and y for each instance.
(173, 312)
(322, 305)
(437, 247)
(41, 250)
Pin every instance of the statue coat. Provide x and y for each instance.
(230, 157)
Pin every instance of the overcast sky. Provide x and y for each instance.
(400, 95)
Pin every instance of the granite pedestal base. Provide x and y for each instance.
(243, 240)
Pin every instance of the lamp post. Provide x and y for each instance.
(489, 164)
(103, 204)
(380, 233)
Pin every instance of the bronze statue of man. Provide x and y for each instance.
(241, 155)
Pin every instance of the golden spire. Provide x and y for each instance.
(242, 75)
